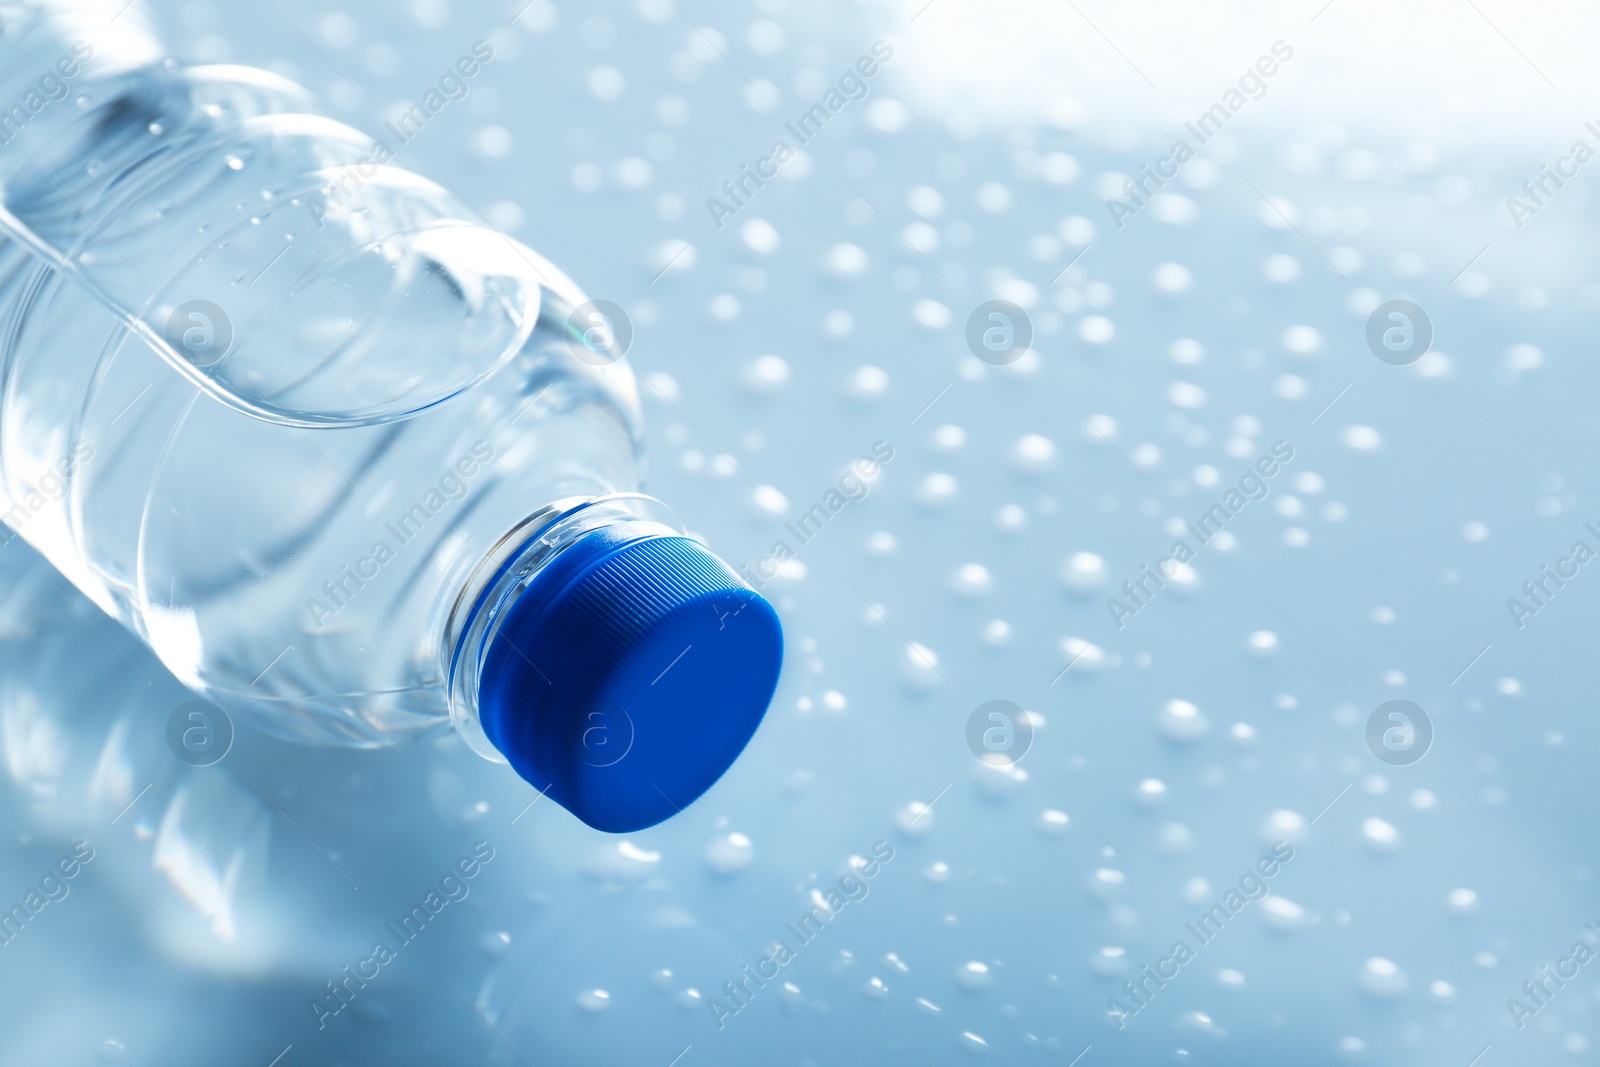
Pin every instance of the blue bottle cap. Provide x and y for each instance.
(629, 675)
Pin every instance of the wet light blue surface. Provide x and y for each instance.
(1172, 752)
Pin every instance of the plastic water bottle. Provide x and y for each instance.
(358, 472)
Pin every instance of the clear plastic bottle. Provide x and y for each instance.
(359, 473)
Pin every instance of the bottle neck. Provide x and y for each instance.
(505, 573)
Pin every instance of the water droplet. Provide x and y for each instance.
(662, 386)
(1521, 357)
(847, 259)
(998, 781)
(1010, 518)
(949, 438)
(1284, 825)
(768, 500)
(760, 236)
(1033, 453)
(1183, 722)
(766, 375)
(1382, 977)
(888, 115)
(1185, 395)
(1053, 822)
(1083, 572)
(1110, 960)
(730, 854)
(919, 666)
(1262, 642)
(882, 543)
(607, 82)
(1150, 792)
(1081, 655)
(915, 819)
(1106, 882)
(1096, 329)
(997, 633)
(930, 314)
(993, 197)
(594, 1000)
(1172, 278)
(623, 861)
(974, 976)
(1184, 579)
(1199, 1020)
(674, 254)
(1174, 839)
(1361, 438)
(1381, 836)
(972, 580)
(936, 490)
(1100, 430)
(1281, 913)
